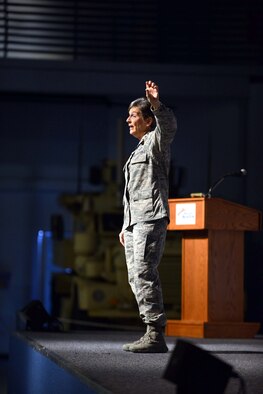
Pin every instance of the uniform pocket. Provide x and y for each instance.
(142, 205)
(139, 158)
(142, 195)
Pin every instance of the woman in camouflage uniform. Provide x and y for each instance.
(146, 212)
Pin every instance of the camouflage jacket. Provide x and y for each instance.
(146, 172)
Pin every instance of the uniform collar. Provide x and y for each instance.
(142, 140)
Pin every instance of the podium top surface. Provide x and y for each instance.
(212, 213)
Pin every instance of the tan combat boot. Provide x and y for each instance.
(151, 342)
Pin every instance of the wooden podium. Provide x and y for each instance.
(212, 267)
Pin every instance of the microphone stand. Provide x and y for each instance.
(242, 172)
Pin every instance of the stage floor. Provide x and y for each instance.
(96, 360)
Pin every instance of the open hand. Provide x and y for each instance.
(152, 94)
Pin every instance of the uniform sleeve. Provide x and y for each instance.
(166, 126)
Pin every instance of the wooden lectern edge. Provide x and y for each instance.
(199, 329)
(202, 224)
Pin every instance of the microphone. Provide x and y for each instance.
(242, 172)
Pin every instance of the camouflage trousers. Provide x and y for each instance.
(144, 245)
